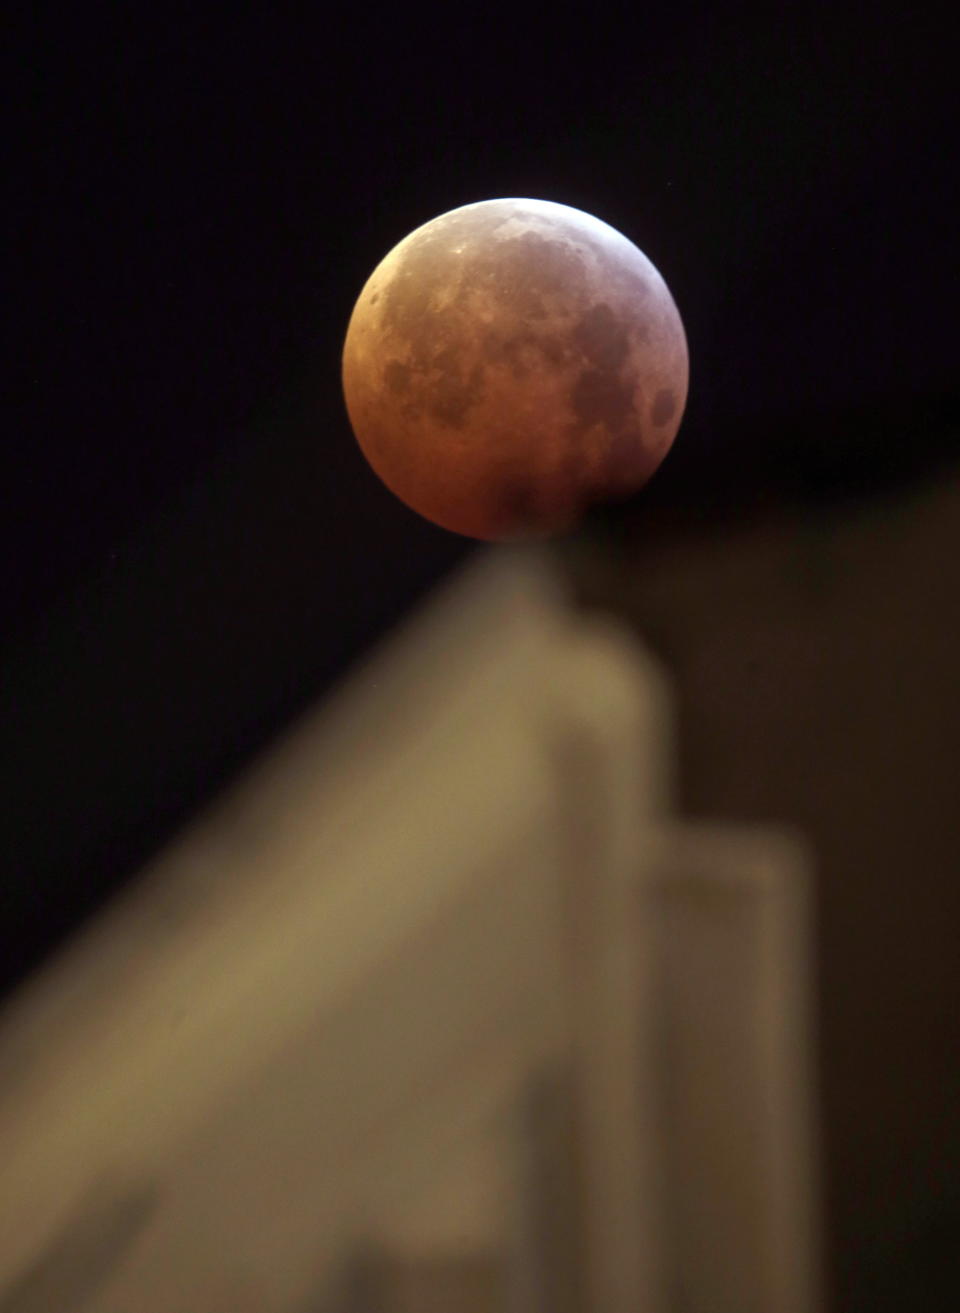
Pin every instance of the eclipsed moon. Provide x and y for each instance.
(511, 363)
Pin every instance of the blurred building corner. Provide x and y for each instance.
(444, 1006)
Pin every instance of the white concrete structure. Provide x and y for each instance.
(439, 1008)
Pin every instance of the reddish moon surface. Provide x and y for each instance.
(512, 363)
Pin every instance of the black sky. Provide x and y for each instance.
(192, 545)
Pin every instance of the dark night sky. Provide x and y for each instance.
(192, 545)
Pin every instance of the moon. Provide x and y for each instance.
(510, 364)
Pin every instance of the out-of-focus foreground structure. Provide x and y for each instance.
(442, 1007)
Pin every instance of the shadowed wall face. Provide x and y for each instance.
(815, 662)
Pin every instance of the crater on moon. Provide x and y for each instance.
(664, 407)
(602, 338)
